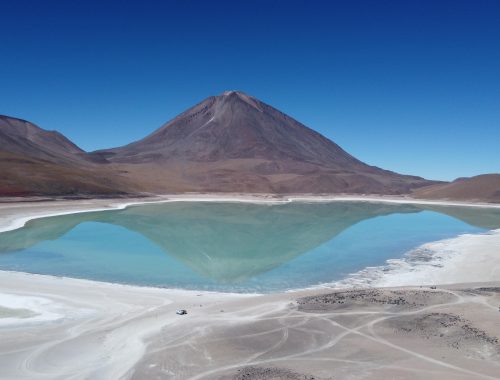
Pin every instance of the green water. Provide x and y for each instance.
(232, 246)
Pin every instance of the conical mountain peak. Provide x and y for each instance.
(234, 125)
(235, 142)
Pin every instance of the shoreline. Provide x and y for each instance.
(466, 258)
(18, 221)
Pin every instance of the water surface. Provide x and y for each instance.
(232, 246)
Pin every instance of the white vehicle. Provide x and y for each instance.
(181, 312)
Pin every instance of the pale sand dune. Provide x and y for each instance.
(60, 328)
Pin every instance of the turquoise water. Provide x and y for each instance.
(232, 246)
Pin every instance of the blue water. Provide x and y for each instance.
(231, 246)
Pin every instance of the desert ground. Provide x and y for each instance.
(62, 328)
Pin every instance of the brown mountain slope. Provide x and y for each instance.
(234, 142)
(34, 161)
(485, 188)
(234, 126)
(22, 137)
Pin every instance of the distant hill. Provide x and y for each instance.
(228, 143)
(34, 161)
(24, 138)
(485, 188)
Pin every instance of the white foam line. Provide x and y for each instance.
(21, 221)
(393, 200)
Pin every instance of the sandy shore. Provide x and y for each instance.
(106, 331)
(83, 329)
(467, 258)
(61, 328)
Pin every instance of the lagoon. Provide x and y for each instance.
(233, 247)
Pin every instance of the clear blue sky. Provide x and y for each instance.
(411, 86)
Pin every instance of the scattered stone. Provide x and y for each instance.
(407, 299)
(452, 330)
(489, 289)
(270, 373)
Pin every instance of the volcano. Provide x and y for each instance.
(236, 143)
(232, 142)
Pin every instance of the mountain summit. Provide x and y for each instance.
(235, 142)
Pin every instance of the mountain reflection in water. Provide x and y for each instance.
(226, 242)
